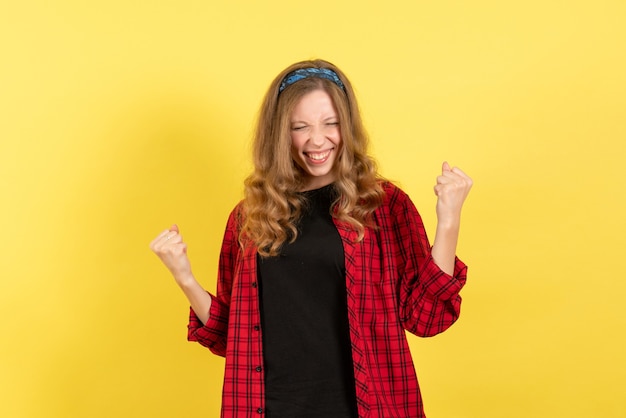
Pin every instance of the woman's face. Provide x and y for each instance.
(315, 138)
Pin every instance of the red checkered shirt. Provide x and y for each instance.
(392, 284)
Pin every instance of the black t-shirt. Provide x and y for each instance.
(306, 340)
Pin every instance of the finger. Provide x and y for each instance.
(169, 237)
(446, 178)
(174, 239)
(174, 228)
(175, 248)
(159, 237)
(458, 171)
(445, 167)
(461, 173)
(454, 176)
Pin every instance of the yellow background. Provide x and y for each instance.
(119, 118)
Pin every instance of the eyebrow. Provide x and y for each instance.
(323, 120)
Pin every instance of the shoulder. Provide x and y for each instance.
(236, 217)
(397, 206)
(394, 196)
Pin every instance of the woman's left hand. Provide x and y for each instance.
(452, 188)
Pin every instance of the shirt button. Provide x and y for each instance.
(259, 368)
(257, 328)
(260, 410)
(253, 284)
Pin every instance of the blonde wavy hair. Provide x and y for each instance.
(272, 205)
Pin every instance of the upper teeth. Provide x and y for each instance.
(319, 156)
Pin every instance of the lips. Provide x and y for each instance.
(318, 157)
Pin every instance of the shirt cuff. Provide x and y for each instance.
(215, 328)
(440, 284)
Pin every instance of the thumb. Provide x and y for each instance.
(174, 228)
(445, 167)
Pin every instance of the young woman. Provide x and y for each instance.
(323, 266)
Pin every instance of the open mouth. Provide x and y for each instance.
(318, 157)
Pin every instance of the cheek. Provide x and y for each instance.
(335, 135)
(297, 141)
(337, 138)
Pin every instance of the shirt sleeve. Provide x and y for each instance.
(429, 300)
(214, 333)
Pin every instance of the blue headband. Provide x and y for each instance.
(310, 72)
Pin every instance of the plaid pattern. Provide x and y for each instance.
(393, 285)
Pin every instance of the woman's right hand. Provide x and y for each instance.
(172, 250)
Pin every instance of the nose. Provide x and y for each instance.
(317, 136)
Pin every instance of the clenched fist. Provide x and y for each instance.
(172, 250)
(452, 188)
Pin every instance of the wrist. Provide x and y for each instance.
(185, 280)
(448, 223)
